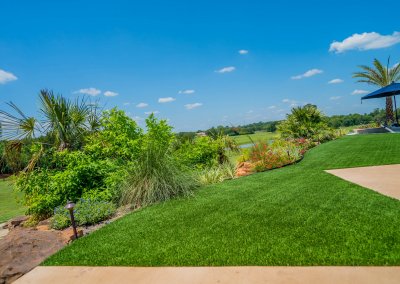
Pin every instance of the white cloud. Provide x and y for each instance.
(152, 112)
(307, 74)
(142, 105)
(226, 69)
(335, 81)
(127, 104)
(6, 77)
(359, 92)
(335, 98)
(88, 91)
(186, 92)
(193, 106)
(243, 51)
(365, 41)
(110, 94)
(166, 100)
(272, 107)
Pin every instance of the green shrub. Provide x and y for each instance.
(204, 152)
(119, 138)
(81, 176)
(305, 122)
(86, 212)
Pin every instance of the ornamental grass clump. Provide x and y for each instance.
(156, 177)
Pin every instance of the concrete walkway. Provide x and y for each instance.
(220, 275)
(383, 179)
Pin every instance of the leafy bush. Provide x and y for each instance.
(305, 122)
(119, 138)
(86, 212)
(217, 173)
(204, 152)
(81, 176)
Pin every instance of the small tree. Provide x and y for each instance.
(380, 76)
(304, 122)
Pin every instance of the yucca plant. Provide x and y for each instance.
(382, 76)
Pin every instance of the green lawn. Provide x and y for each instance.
(256, 137)
(9, 207)
(296, 215)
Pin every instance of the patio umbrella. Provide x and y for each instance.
(390, 90)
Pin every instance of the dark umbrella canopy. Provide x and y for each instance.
(388, 91)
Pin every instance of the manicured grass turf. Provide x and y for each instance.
(297, 215)
(9, 207)
(256, 137)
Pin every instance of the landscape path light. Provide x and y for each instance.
(70, 206)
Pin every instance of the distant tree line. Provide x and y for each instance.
(335, 121)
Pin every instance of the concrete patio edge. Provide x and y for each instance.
(221, 275)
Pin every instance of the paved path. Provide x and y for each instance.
(383, 179)
(220, 275)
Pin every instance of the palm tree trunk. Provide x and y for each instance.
(389, 110)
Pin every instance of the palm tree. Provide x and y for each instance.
(65, 121)
(380, 76)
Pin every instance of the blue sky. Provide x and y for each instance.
(182, 59)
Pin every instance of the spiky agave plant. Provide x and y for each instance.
(382, 76)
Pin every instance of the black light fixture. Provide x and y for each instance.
(70, 206)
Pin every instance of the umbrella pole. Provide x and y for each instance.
(395, 109)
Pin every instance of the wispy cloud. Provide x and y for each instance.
(142, 105)
(166, 100)
(359, 92)
(307, 74)
(335, 98)
(288, 101)
(186, 92)
(272, 107)
(365, 41)
(152, 112)
(226, 69)
(127, 104)
(193, 106)
(243, 51)
(89, 91)
(335, 81)
(6, 77)
(110, 94)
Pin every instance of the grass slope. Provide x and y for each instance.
(9, 207)
(256, 137)
(297, 215)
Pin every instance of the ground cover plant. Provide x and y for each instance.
(296, 215)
